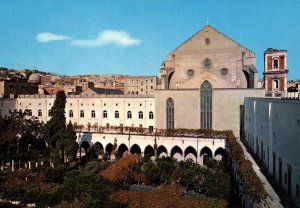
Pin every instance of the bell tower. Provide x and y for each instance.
(275, 72)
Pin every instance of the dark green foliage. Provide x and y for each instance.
(55, 175)
(18, 137)
(88, 188)
(55, 127)
(62, 138)
(92, 167)
(161, 171)
(210, 181)
(69, 143)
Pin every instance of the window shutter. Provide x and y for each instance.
(281, 63)
(269, 84)
(281, 84)
(269, 62)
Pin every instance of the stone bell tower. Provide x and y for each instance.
(275, 72)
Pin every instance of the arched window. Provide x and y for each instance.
(117, 114)
(104, 114)
(40, 113)
(30, 112)
(206, 105)
(93, 114)
(129, 115)
(81, 114)
(141, 115)
(49, 113)
(71, 114)
(151, 115)
(170, 113)
(276, 84)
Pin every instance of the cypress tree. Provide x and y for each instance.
(69, 143)
(56, 126)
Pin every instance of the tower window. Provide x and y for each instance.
(276, 84)
(275, 63)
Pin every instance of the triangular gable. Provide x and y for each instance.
(208, 26)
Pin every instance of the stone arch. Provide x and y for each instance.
(109, 148)
(85, 146)
(97, 150)
(122, 149)
(161, 150)
(206, 151)
(176, 153)
(135, 149)
(247, 77)
(98, 147)
(206, 154)
(220, 153)
(170, 78)
(149, 151)
(190, 153)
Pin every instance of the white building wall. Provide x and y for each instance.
(98, 104)
(144, 140)
(272, 132)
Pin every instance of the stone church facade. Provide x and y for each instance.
(209, 55)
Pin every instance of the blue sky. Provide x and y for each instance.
(133, 37)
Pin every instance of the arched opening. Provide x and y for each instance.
(149, 151)
(85, 146)
(276, 84)
(176, 153)
(108, 150)
(206, 105)
(246, 74)
(206, 153)
(190, 153)
(135, 149)
(97, 150)
(169, 79)
(123, 149)
(220, 154)
(162, 151)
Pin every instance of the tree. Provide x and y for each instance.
(69, 143)
(55, 127)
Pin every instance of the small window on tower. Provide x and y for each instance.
(275, 63)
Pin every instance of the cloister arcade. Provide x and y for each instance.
(180, 148)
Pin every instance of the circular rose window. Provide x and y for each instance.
(207, 63)
(190, 72)
(224, 72)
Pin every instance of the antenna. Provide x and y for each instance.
(207, 20)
